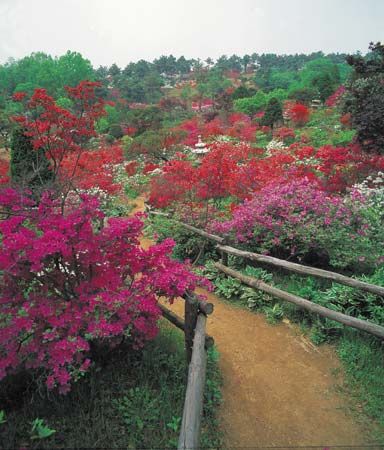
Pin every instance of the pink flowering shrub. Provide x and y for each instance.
(296, 219)
(70, 279)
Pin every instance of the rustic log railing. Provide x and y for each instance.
(362, 325)
(196, 344)
(322, 311)
(281, 263)
(304, 270)
(196, 341)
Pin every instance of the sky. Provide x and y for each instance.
(121, 31)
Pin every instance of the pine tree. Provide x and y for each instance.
(273, 113)
(29, 168)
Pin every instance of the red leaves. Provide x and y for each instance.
(149, 167)
(93, 168)
(238, 170)
(4, 171)
(299, 114)
(61, 133)
(18, 96)
(131, 168)
(335, 98)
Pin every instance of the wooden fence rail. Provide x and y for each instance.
(196, 344)
(197, 341)
(304, 270)
(359, 324)
(281, 263)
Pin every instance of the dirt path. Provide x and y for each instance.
(278, 389)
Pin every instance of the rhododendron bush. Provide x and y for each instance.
(298, 220)
(239, 170)
(69, 280)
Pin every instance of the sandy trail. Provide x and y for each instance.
(278, 389)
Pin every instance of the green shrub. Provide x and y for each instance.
(30, 168)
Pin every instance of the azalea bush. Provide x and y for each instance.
(70, 281)
(299, 114)
(73, 279)
(299, 220)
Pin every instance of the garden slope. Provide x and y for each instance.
(278, 389)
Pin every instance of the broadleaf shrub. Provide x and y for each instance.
(69, 280)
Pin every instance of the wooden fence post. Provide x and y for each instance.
(191, 310)
(189, 438)
(224, 255)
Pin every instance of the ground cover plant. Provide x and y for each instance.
(129, 399)
(280, 154)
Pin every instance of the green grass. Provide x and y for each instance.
(363, 361)
(130, 400)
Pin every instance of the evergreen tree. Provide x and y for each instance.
(29, 168)
(273, 113)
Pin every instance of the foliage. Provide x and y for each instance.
(29, 168)
(299, 220)
(40, 70)
(95, 412)
(303, 95)
(273, 113)
(259, 101)
(69, 282)
(187, 244)
(40, 430)
(362, 358)
(364, 98)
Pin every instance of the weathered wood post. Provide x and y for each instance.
(193, 406)
(191, 310)
(224, 255)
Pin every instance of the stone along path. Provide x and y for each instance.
(278, 388)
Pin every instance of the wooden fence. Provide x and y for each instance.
(196, 344)
(221, 245)
(196, 340)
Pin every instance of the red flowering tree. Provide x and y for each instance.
(93, 168)
(299, 114)
(60, 132)
(70, 278)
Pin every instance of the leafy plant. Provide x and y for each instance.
(174, 424)
(274, 314)
(82, 284)
(228, 287)
(40, 430)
